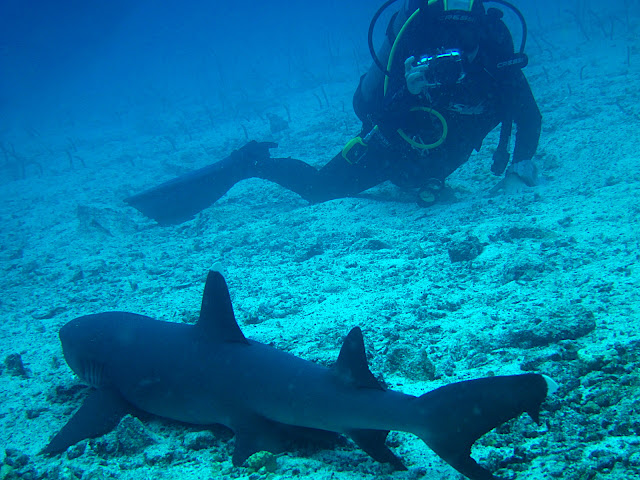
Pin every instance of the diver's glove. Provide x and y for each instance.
(526, 170)
(415, 76)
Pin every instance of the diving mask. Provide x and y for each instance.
(431, 71)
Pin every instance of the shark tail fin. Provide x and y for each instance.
(454, 416)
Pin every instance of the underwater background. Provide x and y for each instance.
(100, 100)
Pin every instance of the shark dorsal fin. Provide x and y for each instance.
(217, 320)
(352, 366)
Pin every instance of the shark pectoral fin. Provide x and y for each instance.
(453, 417)
(99, 414)
(372, 442)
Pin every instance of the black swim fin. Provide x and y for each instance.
(178, 200)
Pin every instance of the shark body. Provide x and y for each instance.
(209, 373)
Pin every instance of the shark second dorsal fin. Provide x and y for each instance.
(352, 363)
(217, 320)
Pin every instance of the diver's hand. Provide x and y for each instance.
(519, 177)
(526, 170)
(415, 76)
(511, 184)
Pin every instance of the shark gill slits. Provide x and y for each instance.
(93, 374)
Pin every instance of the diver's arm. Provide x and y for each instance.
(522, 108)
(527, 118)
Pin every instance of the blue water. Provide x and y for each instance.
(77, 62)
(80, 61)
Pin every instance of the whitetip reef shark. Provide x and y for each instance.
(209, 373)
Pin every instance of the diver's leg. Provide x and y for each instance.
(180, 199)
(337, 179)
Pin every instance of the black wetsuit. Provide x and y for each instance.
(486, 97)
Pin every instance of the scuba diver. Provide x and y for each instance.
(446, 75)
